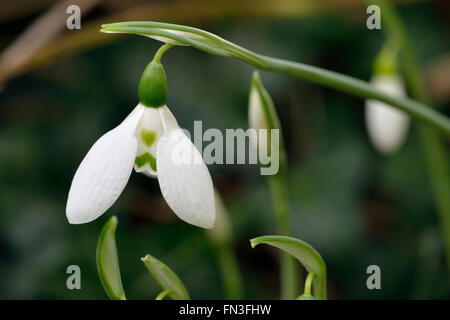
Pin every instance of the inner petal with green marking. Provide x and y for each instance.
(148, 137)
(144, 159)
(148, 131)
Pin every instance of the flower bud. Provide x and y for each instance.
(261, 113)
(386, 125)
(153, 86)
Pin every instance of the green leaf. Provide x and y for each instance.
(108, 262)
(304, 253)
(166, 278)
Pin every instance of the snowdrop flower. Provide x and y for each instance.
(386, 125)
(150, 141)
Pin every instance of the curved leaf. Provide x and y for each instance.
(166, 278)
(304, 253)
(108, 262)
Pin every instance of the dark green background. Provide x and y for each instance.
(353, 205)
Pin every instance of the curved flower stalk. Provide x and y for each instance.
(263, 116)
(387, 126)
(151, 141)
(211, 43)
(307, 293)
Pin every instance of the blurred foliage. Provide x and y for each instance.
(354, 206)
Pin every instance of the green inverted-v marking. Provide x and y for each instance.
(145, 158)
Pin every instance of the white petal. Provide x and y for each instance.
(104, 171)
(387, 126)
(184, 179)
(168, 121)
(257, 119)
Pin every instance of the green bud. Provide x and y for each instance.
(153, 86)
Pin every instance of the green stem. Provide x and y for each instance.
(230, 272)
(288, 273)
(163, 294)
(356, 87)
(161, 51)
(434, 147)
(289, 276)
(213, 44)
(308, 283)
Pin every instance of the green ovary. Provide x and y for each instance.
(145, 158)
(148, 137)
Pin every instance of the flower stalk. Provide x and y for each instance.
(213, 44)
(434, 147)
(263, 115)
(308, 285)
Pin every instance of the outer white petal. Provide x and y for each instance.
(184, 179)
(387, 126)
(104, 171)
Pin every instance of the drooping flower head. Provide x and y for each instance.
(150, 141)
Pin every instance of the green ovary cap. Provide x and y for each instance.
(153, 86)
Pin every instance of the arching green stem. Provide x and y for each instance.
(213, 44)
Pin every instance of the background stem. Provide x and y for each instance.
(433, 145)
(355, 87)
(230, 271)
(288, 269)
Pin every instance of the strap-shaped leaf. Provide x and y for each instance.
(303, 252)
(166, 278)
(108, 262)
